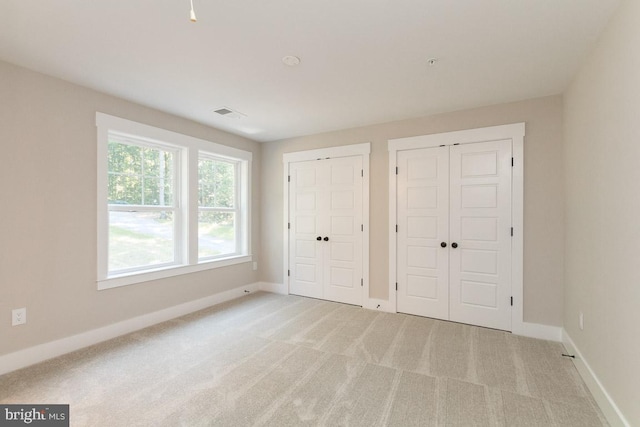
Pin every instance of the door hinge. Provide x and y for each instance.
(511, 231)
(511, 301)
(457, 143)
(288, 178)
(362, 172)
(396, 286)
(288, 226)
(288, 272)
(396, 170)
(396, 228)
(512, 162)
(361, 282)
(361, 227)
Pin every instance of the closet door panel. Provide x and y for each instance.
(343, 262)
(480, 267)
(423, 222)
(307, 194)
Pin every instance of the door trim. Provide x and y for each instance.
(363, 150)
(516, 133)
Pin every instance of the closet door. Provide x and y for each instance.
(423, 226)
(307, 194)
(343, 250)
(480, 266)
(325, 238)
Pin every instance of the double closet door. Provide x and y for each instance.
(326, 229)
(454, 233)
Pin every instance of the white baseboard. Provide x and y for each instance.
(276, 288)
(39, 353)
(604, 400)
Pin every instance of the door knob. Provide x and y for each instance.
(443, 244)
(326, 239)
(318, 238)
(454, 245)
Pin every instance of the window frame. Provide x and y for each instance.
(189, 150)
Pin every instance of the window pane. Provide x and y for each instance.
(125, 190)
(216, 181)
(157, 192)
(140, 239)
(216, 234)
(140, 175)
(126, 159)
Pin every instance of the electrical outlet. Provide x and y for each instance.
(18, 316)
(581, 321)
(255, 266)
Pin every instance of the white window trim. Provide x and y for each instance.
(191, 150)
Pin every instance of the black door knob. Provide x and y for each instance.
(318, 238)
(443, 244)
(454, 245)
(326, 239)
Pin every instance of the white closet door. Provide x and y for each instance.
(480, 267)
(343, 250)
(325, 239)
(423, 224)
(307, 192)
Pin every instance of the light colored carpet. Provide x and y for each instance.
(276, 360)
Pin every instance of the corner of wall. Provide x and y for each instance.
(603, 399)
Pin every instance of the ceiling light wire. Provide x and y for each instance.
(192, 15)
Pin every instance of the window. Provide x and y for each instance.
(168, 203)
(142, 206)
(218, 207)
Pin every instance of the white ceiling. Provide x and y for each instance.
(363, 61)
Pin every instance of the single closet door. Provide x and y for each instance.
(480, 215)
(423, 224)
(454, 233)
(325, 238)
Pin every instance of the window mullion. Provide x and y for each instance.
(191, 200)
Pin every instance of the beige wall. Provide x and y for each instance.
(543, 200)
(602, 151)
(48, 213)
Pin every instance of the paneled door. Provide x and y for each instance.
(325, 229)
(480, 234)
(423, 224)
(454, 233)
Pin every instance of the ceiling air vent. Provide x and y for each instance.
(229, 113)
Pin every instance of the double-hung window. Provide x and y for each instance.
(143, 204)
(168, 203)
(218, 207)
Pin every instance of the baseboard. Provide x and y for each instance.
(276, 288)
(39, 353)
(604, 400)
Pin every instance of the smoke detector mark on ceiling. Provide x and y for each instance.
(291, 61)
(228, 113)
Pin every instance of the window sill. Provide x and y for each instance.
(133, 278)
